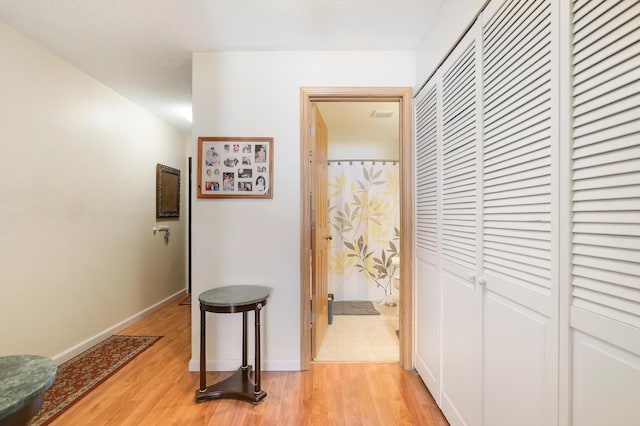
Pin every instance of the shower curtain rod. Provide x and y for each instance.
(363, 161)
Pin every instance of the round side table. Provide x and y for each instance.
(23, 381)
(228, 300)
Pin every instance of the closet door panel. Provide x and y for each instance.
(606, 162)
(427, 239)
(427, 179)
(597, 366)
(461, 355)
(517, 131)
(461, 295)
(525, 332)
(428, 323)
(518, 214)
(605, 228)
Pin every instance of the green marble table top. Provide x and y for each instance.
(22, 379)
(235, 295)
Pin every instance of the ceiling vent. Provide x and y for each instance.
(381, 114)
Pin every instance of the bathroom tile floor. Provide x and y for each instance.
(357, 338)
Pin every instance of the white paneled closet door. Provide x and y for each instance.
(605, 274)
(427, 295)
(519, 215)
(460, 200)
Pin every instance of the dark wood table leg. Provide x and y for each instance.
(203, 353)
(244, 341)
(257, 347)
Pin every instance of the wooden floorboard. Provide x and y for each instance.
(156, 388)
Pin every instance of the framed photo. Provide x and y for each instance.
(167, 191)
(235, 167)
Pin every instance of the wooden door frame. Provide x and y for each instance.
(403, 95)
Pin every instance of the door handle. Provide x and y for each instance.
(329, 237)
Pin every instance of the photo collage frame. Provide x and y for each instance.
(235, 167)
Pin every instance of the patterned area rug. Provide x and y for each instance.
(354, 307)
(76, 377)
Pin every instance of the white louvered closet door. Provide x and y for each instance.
(605, 279)
(427, 293)
(461, 318)
(519, 213)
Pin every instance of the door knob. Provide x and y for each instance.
(329, 237)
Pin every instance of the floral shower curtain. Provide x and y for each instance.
(364, 216)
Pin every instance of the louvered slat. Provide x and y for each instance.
(459, 161)
(606, 160)
(530, 40)
(426, 172)
(517, 145)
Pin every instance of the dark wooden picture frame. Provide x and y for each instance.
(167, 191)
(235, 167)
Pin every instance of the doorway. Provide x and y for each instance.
(363, 199)
(309, 316)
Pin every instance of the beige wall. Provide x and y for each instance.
(258, 241)
(77, 205)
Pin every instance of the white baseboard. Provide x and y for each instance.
(83, 346)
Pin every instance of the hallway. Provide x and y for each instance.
(156, 389)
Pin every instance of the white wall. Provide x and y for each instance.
(444, 30)
(258, 241)
(77, 205)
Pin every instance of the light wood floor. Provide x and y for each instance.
(156, 388)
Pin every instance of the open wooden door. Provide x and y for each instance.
(320, 231)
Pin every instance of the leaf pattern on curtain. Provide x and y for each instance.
(364, 215)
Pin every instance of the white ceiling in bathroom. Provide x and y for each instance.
(356, 122)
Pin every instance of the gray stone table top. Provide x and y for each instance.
(235, 295)
(22, 379)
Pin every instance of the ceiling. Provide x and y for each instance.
(142, 48)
